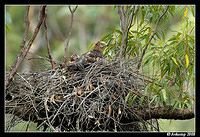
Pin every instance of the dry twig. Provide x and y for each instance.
(70, 31)
(47, 40)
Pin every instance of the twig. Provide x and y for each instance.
(70, 31)
(47, 40)
(39, 57)
(140, 61)
(86, 98)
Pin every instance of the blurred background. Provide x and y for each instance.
(90, 25)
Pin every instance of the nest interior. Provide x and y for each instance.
(94, 99)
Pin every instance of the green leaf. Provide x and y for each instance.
(154, 97)
(174, 61)
(149, 60)
(106, 37)
(131, 102)
(135, 32)
(158, 35)
(177, 36)
(110, 28)
(192, 10)
(145, 91)
(165, 105)
(171, 64)
(157, 102)
(127, 97)
(172, 38)
(171, 11)
(164, 94)
(118, 31)
(141, 100)
(142, 17)
(175, 105)
(91, 46)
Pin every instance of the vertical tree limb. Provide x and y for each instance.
(129, 26)
(154, 32)
(47, 40)
(70, 31)
(24, 49)
(125, 24)
(122, 25)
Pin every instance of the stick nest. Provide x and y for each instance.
(95, 99)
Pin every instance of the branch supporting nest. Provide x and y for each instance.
(89, 100)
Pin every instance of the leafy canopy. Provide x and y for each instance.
(170, 57)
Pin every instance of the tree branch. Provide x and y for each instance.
(155, 29)
(70, 31)
(27, 22)
(47, 40)
(122, 25)
(129, 26)
(24, 49)
(161, 112)
(125, 24)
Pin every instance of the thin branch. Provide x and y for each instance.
(47, 40)
(27, 22)
(23, 52)
(129, 26)
(155, 29)
(70, 31)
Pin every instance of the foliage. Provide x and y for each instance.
(171, 57)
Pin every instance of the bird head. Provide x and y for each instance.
(74, 57)
(100, 45)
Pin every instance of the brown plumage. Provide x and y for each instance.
(95, 55)
(72, 63)
(86, 59)
(74, 58)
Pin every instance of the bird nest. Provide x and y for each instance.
(103, 97)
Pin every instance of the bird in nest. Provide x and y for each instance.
(74, 58)
(72, 63)
(86, 59)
